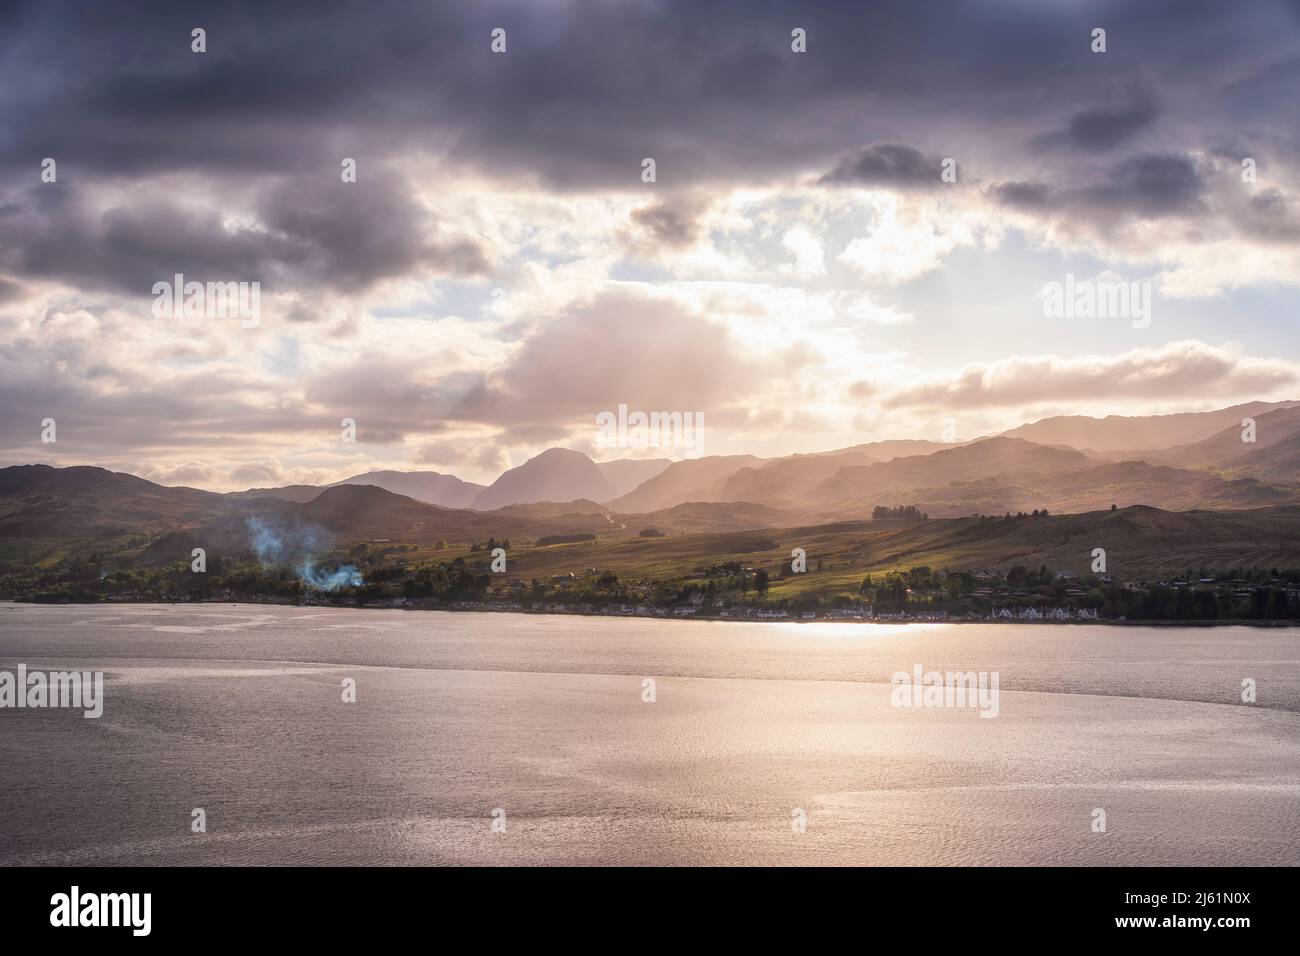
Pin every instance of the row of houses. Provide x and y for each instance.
(1044, 614)
(746, 613)
(754, 613)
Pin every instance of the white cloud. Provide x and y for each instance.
(1187, 370)
(908, 238)
(809, 259)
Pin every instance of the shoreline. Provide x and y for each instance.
(1111, 622)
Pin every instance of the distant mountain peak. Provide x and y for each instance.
(557, 475)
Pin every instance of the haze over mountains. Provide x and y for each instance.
(1273, 456)
(46, 511)
(557, 474)
(447, 491)
(1117, 433)
(1068, 463)
(1073, 464)
(554, 475)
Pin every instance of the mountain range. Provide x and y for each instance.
(1183, 463)
(1068, 463)
(555, 475)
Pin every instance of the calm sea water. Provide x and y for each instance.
(239, 711)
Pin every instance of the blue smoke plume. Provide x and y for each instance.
(280, 546)
(345, 576)
(266, 542)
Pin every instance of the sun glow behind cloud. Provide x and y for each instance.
(798, 273)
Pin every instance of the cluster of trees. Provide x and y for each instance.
(564, 539)
(1020, 576)
(1250, 595)
(898, 513)
(1162, 603)
(170, 582)
(898, 590)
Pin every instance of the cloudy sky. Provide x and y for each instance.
(499, 273)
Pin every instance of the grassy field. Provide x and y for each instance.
(1139, 543)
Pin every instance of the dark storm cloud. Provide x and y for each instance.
(886, 164)
(1102, 128)
(10, 291)
(350, 235)
(57, 234)
(586, 90)
(313, 233)
(1029, 197)
(1150, 185)
(666, 224)
(1145, 186)
(1270, 216)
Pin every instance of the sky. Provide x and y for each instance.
(846, 243)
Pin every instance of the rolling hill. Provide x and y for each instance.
(694, 479)
(299, 493)
(1274, 455)
(49, 514)
(431, 487)
(346, 515)
(998, 475)
(979, 460)
(790, 479)
(46, 510)
(1140, 543)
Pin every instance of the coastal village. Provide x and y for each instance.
(979, 596)
(385, 575)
